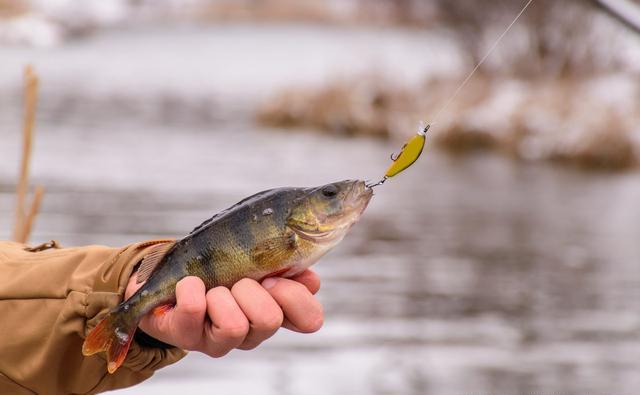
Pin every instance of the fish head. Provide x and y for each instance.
(325, 214)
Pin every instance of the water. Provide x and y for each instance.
(466, 275)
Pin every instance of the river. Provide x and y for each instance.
(471, 274)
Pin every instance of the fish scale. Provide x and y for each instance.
(280, 231)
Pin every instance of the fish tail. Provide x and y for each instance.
(114, 335)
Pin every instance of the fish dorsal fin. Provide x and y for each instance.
(204, 224)
(227, 210)
(151, 260)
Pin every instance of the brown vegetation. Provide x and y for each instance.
(12, 8)
(25, 219)
(552, 38)
(564, 120)
(343, 108)
(542, 95)
(269, 10)
(378, 12)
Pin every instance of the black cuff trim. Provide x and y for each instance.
(146, 341)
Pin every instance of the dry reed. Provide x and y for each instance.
(559, 120)
(369, 107)
(12, 8)
(25, 219)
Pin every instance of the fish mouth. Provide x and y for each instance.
(359, 197)
(355, 202)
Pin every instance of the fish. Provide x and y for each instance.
(277, 232)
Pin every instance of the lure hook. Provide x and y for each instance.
(370, 186)
(410, 152)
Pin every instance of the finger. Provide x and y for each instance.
(229, 326)
(264, 314)
(309, 279)
(289, 325)
(187, 318)
(182, 326)
(302, 309)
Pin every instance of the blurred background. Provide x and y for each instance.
(505, 261)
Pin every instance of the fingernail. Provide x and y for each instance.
(270, 282)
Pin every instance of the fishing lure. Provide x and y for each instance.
(413, 148)
(409, 153)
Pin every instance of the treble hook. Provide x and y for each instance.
(377, 183)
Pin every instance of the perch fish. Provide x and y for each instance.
(276, 232)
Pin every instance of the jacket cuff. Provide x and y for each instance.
(148, 341)
(108, 291)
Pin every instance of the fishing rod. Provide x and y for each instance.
(626, 11)
(411, 150)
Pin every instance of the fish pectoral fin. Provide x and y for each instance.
(274, 250)
(151, 260)
(161, 310)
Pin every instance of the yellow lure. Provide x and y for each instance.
(410, 153)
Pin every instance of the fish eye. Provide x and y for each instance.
(330, 191)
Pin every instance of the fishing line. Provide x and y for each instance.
(413, 148)
(489, 52)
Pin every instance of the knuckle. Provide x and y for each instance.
(190, 343)
(247, 346)
(217, 352)
(238, 330)
(192, 307)
(269, 320)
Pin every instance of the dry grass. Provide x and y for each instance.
(561, 120)
(340, 12)
(269, 10)
(343, 108)
(12, 8)
(25, 218)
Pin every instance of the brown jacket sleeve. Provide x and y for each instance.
(48, 302)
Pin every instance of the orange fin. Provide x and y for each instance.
(162, 309)
(113, 336)
(151, 260)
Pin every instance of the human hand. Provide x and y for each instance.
(242, 317)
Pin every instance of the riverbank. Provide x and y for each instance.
(590, 122)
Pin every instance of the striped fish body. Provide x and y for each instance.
(275, 232)
(250, 239)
